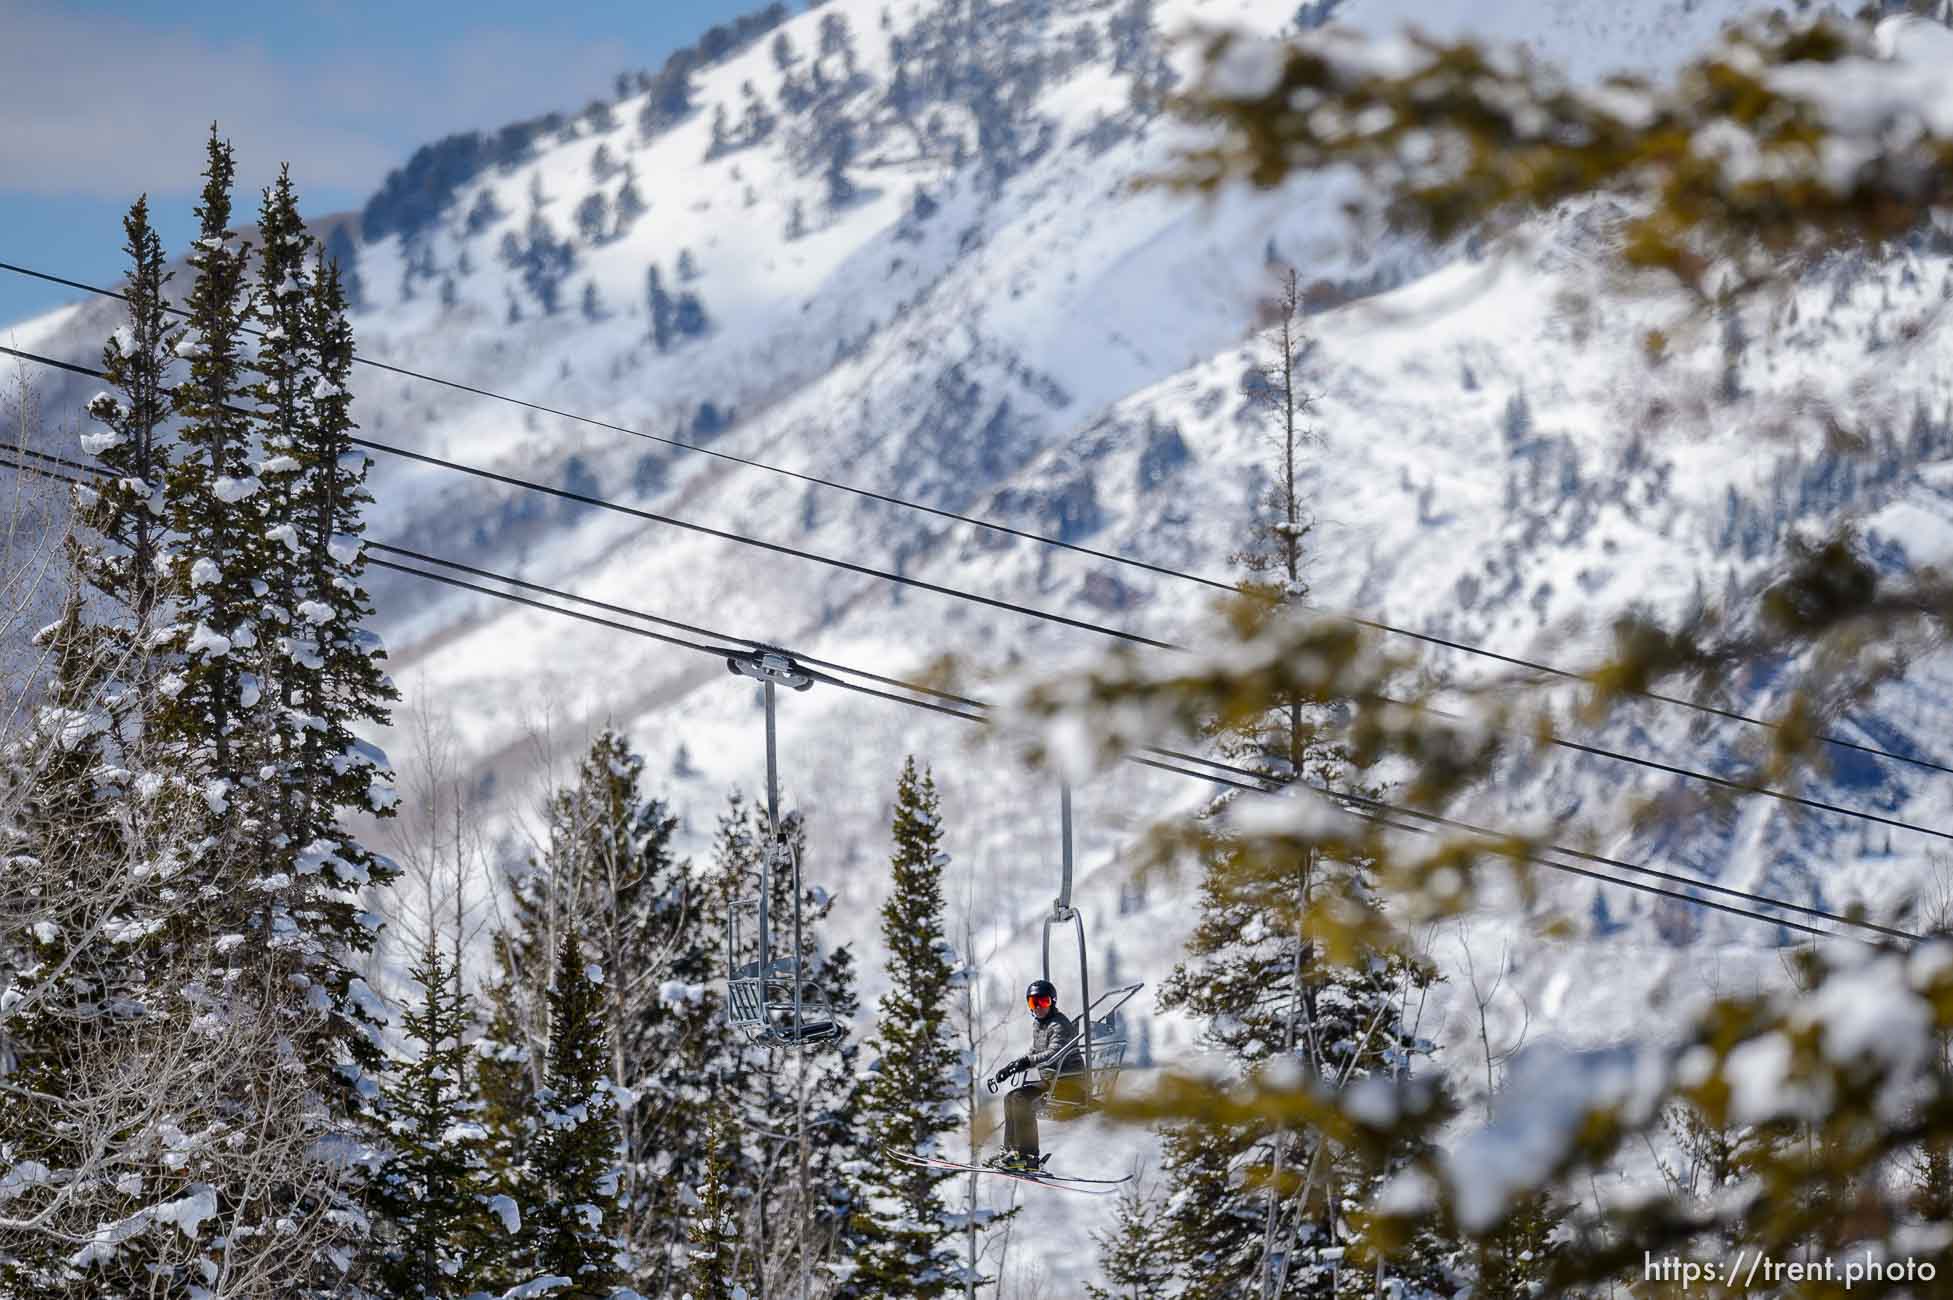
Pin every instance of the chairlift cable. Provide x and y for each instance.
(1049, 616)
(1163, 570)
(722, 651)
(1265, 788)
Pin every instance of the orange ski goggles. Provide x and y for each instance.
(1039, 1001)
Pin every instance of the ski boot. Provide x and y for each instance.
(1015, 1162)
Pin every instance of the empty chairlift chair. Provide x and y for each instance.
(768, 997)
(771, 1002)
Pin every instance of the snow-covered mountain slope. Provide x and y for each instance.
(930, 276)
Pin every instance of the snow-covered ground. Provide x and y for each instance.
(1037, 343)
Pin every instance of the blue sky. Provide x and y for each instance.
(106, 99)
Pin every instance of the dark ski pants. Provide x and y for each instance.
(1021, 1109)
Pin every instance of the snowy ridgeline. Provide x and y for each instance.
(829, 260)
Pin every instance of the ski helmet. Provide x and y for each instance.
(1041, 996)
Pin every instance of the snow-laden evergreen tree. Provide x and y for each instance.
(592, 217)
(901, 1240)
(125, 508)
(1250, 1205)
(218, 530)
(333, 666)
(436, 1238)
(508, 1072)
(270, 796)
(607, 867)
(712, 1238)
(211, 697)
(283, 369)
(567, 1193)
(230, 1000)
(688, 315)
(1133, 1254)
(319, 668)
(545, 261)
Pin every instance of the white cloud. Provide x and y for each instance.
(106, 107)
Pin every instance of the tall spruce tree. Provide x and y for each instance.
(125, 508)
(568, 1191)
(319, 671)
(281, 364)
(435, 1240)
(249, 928)
(1247, 1199)
(903, 1240)
(629, 204)
(278, 818)
(219, 531)
(208, 700)
(607, 867)
(332, 669)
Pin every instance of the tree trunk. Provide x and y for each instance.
(806, 1179)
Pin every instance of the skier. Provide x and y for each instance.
(1061, 1068)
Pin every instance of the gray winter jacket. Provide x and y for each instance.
(1051, 1039)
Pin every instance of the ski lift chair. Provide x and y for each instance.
(1104, 1057)
(766, 1009)
(1104, 1031)
(770, 1000)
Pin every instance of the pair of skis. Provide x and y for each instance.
(1043, 1178)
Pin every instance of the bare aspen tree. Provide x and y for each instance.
(976, 1024)
(1482, 996)
(441, 838)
